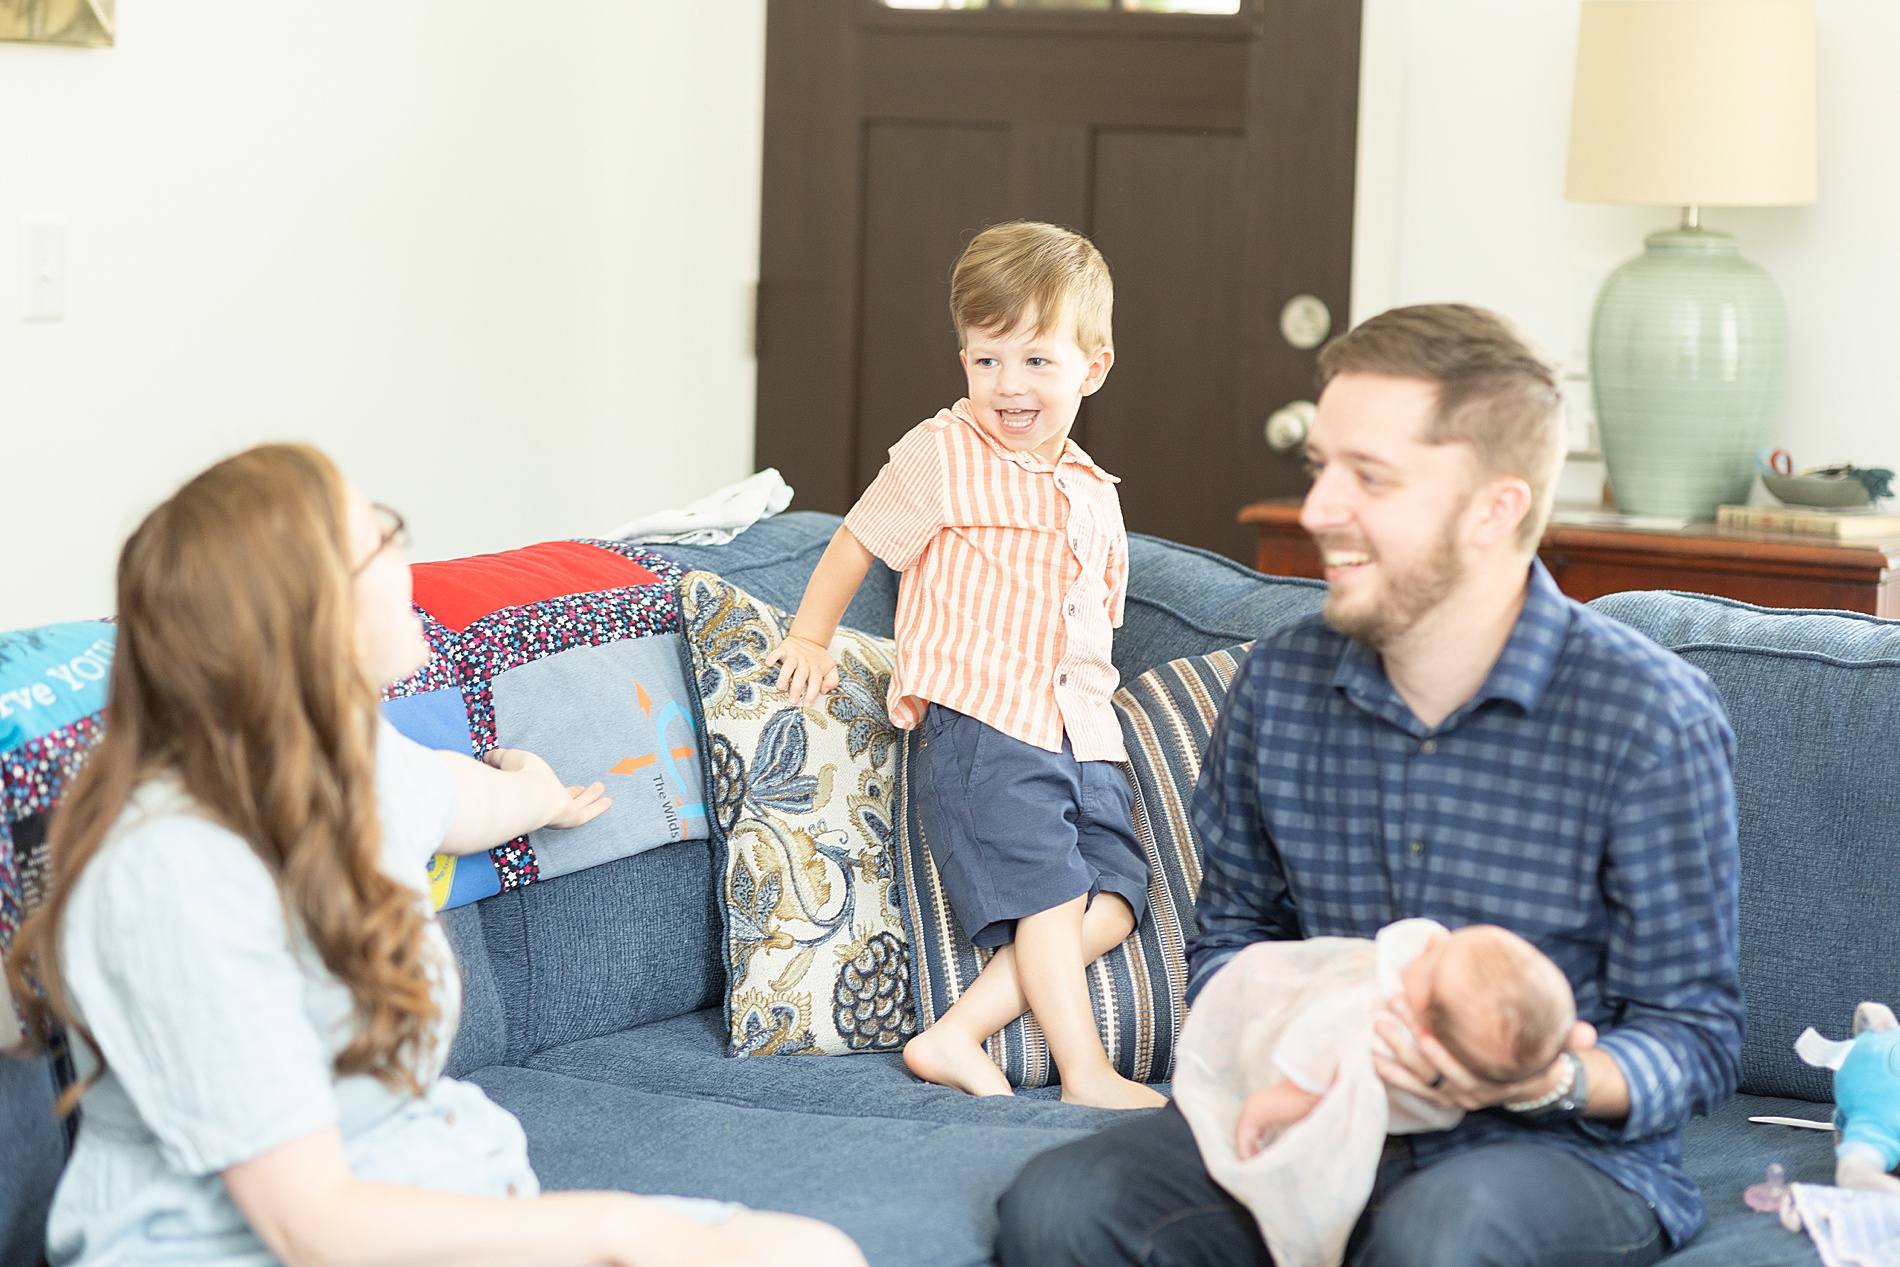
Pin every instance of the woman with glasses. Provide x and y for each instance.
(238, 936)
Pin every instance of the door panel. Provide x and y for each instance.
(1175, 383)
(928, 188)
(1049, 172)
(1006, 75)
(1211, 158)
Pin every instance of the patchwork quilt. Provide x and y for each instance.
(572, 650)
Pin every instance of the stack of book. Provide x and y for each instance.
(1859, 524)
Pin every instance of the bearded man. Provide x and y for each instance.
(1453, 738)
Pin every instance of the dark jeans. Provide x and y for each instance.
(1138, 1194)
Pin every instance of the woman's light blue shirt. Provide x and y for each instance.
(220, 1028)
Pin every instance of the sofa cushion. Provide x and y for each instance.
(1136, 989)
(482, 1036)
(1186, 602)
(1725, 1153)
(1812, 697)
(774, 558)
(32, 1153)
(605, 949)
(687, 1056)
(583, 1132)
(816, 959)
(911, 1193)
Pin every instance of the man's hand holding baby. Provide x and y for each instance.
(1420, 1065)
(1482, 1019)
(806, 669)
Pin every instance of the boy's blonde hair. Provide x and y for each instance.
(1010, 269)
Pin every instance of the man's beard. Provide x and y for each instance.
(1407, 597)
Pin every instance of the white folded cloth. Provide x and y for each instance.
(1850, 1228)
(714, 519)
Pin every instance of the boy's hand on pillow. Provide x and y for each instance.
(806, 670)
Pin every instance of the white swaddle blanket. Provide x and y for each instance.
(1302, 1010)
(714, 519)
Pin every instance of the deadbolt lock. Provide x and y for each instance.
(1305, 321)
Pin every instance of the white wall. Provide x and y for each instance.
(1465, 110)
(494, 258)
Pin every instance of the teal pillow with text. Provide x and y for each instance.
(53, 683)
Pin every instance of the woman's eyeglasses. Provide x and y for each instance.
(393, 531)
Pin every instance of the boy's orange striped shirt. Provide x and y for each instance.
(1015, 574)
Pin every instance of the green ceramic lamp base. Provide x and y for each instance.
(1687, 350)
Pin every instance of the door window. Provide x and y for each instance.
(1129, 6)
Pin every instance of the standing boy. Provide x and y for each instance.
(1015, 568)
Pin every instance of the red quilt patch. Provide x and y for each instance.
(459, 592)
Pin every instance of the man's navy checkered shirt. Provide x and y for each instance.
(1583, 798)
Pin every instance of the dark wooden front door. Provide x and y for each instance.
(1210, 158)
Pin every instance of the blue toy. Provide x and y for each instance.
(1866, 1097)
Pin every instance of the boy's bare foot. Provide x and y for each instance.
(1110, 1090)
(945, 1058)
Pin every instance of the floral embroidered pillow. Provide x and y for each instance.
(817, 963)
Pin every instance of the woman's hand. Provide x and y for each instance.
(510, 793)
(806, 670)
(750, 1239)
(568, 806)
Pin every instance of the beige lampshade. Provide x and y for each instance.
(1708, 102)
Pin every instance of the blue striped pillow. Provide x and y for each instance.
(1167, 716)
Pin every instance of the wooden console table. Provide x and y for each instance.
(1590, 562)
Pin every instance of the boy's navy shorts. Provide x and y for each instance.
(1016, 829)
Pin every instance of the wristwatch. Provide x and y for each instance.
(1563, 1103)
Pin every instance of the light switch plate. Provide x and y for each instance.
(43, 284)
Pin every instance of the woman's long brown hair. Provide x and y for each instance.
(236, 673)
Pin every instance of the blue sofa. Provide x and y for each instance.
(593, 1001)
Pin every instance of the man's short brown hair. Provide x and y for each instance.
(1010, 270)
(1494, 394)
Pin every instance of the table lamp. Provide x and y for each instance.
(1690, 103)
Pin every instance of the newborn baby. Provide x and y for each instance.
(1276, 1077)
